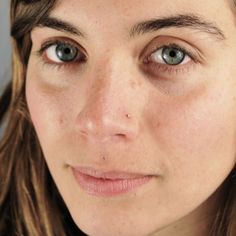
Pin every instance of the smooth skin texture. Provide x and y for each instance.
(181, 121)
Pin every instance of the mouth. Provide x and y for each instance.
(110, 183)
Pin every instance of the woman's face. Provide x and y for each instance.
(158, 99)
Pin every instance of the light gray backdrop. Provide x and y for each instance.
(5, 50)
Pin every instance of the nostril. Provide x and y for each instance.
(120, 135)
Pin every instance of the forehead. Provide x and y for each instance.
(118, 15)
(119, 9)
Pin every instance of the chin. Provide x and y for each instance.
(115, 225)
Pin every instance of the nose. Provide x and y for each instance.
(111, 109)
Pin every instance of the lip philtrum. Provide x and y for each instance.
(108, 184)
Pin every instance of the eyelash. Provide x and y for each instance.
(171, 69)
(155, 67)
(61, 65)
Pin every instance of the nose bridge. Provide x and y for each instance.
(110, 110)
(114, 83)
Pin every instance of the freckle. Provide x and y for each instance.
(61, 121)
(158, 124)
(135, 83)
(104, 158)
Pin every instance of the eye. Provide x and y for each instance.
(170, 55)
(62, 53)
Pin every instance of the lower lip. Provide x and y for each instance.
(108, 188)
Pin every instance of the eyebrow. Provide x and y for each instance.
(54, 23)
(179, 21)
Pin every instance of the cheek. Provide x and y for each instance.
(43, 117)
(47, 110)
(197, 134)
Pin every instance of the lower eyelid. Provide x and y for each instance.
(157, 69)
(61, 66)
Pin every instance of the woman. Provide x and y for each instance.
(120, 119)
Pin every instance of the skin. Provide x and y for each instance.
(181, 126)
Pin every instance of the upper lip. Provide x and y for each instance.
(107, 174)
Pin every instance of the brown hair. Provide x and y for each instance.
(30, 203)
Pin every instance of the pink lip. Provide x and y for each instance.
(107, 184)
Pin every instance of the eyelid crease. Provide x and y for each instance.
(158, 68)
(184, 44)
(62, 40)
(193, 56)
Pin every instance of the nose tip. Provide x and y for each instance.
(103, 127)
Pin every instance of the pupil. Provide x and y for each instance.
(67, 51)
(173, 54)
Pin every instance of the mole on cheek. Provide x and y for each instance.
(135, 84)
